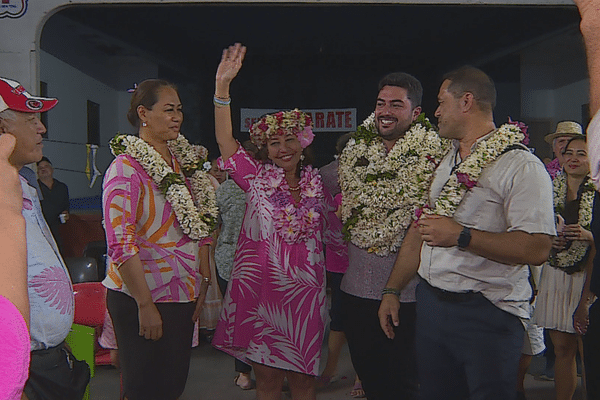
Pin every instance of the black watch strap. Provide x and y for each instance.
(464, 238)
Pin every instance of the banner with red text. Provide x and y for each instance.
(324, 120)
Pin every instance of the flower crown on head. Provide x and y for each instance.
(281, 123)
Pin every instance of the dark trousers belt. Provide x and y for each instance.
(450, 297)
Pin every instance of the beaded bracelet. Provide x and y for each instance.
(218, 102)
(389, 290)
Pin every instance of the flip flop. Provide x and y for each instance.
(244, 387)
(357, 391)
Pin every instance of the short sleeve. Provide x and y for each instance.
(241, 167)
(528, 196)
(121, 195)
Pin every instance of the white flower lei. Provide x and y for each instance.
(197, 214)
(381, 190)
(578, 249)
(468, 172)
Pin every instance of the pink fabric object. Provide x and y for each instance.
(336, 253)
(15, 350)
(274, 311)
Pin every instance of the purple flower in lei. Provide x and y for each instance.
(463, 178)
(295, 222)
(523, 127)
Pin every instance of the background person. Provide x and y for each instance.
(561, 287)
(565, 130)
(158, 245)
(274, 309)
(55, 198)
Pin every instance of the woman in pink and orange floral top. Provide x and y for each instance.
(274, 309)
(159, 211)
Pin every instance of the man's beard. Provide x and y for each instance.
(398, 132)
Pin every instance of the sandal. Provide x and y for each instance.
(357, 391)
(248, 386)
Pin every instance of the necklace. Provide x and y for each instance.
(197, 214)
(571, 259)
(294, 222)
(295, 188)
(381, 190)
(466, 174)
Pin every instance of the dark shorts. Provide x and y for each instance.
(152, 370)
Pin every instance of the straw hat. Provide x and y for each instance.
(564, 128)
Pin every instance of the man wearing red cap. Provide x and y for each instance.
(53, 372)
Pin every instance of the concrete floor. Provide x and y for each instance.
(211, 378)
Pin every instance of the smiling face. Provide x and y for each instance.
(448, 113)
(164, 120)
(28, 130)
(284, 151)
(576, 159)
(394, 112)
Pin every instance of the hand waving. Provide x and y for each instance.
(231, 62)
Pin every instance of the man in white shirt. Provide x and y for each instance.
(474, 290)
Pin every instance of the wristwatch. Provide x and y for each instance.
(464, 238)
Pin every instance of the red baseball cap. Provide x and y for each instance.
(13, 96)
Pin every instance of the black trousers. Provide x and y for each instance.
(591, 353)
(386, 367)
(467, 348)
(152, 370)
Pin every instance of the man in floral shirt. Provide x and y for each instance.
(50, 292)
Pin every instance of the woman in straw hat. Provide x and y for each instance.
(274, 309)
(563, 295)
(565, 131)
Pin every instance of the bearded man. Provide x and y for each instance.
(383, 172)
(490, 214)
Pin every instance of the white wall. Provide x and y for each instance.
(67, 122)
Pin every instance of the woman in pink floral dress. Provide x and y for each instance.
(274, 309)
